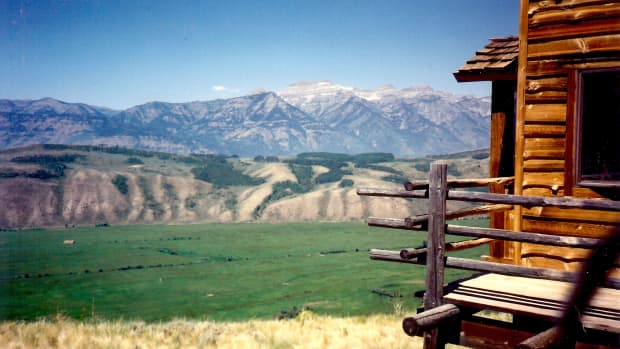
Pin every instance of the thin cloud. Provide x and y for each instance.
(224, 89)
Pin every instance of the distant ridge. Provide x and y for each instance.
(305, 116)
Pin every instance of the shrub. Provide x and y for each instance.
(132, 160)
(396, 179)
(304, 176)
(379, 168)
(346, 183)
(120, 182)
(423, 166)
(369, 158)
(453, 170)
(46, 159)
(334, 175)
(221, 173)
(480, 156)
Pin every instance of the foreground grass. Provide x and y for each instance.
(306, 331)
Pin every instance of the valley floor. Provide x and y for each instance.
(306, 331)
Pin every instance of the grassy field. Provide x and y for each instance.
(218, 272)
(306, 331)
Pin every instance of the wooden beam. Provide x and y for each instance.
(507, 73)
(462, 183)
(531, 201)
(509, 269)
(492, 267)
(555, 337)
(546, 84)
(535, 238)
(543, 130)
(395, 193)
(564, 31)
(415, 223)
(520, 114)
(576, 15)
(390, 256)
(546, 113)
(429, 319)
(437, 193)
(588, 45)
(410, 253)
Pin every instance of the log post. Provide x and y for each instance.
(555, 337)
(430, 319)
(437, 194)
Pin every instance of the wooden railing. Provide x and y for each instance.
(438, 190)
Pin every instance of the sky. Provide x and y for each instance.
(121, 53)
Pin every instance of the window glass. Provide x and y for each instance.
(600, 121)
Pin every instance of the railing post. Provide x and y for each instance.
(437, 194)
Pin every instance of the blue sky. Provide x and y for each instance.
(123, 53)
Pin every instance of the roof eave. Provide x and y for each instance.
(476, 76)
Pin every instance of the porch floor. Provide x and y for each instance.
(538, 298)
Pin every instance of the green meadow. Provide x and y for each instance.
(218, 272)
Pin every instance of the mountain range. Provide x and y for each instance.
(305, 116)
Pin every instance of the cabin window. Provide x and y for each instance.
(598, 131)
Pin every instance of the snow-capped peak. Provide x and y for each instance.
(309, 90)
(304, 92)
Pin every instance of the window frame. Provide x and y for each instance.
(573, 176)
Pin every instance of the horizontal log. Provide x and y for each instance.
(545, 144)
(544, 68)
(587, 45)
(414, 223)
(536, 238)
(396, 193)
(410, 253)
(530, 201)
(548, 179)
(576, 15)
(543, 131)
(555, 337)
(537, 165)
(391, 256)
(564, 254)
(463, 183)
(554, 5)
(564, 31)
(396, 223)
(509, 269)
(546, 97)
(492, 267)
(545, 113)
(610, 61)
(574, 215)
(543, 192)
(558, 227)
(544, 154)
(546, 84)
(527, 201)
(429, 319)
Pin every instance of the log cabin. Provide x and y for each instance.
(554, 121)
(555, 129)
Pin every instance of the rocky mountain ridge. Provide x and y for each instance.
(309, 116)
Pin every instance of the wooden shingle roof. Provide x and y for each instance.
(496, 61)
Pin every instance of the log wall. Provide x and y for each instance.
(562, 37)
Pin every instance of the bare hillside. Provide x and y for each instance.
(81, 185)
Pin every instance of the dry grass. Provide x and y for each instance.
(306, 331)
